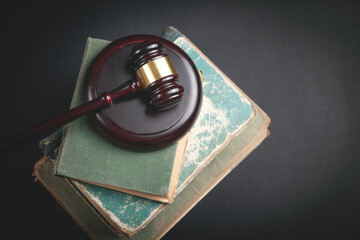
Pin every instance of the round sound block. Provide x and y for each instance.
(131, 122)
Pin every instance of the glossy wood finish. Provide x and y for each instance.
(105, 99)
(115, 122)
(165, 92)
(145, 52)
(132, 123)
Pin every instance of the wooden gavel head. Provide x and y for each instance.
(129, 122)
(156, 75)
(164, 75)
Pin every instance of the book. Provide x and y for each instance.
(86, 156)
(146, 219)
(94, 224)
(225, 111)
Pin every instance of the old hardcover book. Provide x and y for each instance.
(88, 157)
(99, 226)
(229, 127)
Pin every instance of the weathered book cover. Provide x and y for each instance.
(129, 214)
(87, 156)
(100, 227)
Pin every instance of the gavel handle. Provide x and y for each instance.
(106, 99)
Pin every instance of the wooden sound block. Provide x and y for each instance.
(132, 123)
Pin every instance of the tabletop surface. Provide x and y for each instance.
(299, 62)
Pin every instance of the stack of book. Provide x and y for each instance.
(113, 193)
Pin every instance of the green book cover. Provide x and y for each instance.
(87, 156)
(225, 113)
(99, 226)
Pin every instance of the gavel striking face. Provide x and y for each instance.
(156, 75)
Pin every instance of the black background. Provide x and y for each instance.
(300, 62)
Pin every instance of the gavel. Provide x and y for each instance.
(155, 77)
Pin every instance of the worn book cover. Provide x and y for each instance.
(88, 157)
(228, 117)
(99, 226)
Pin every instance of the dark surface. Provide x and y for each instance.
(299, 62)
